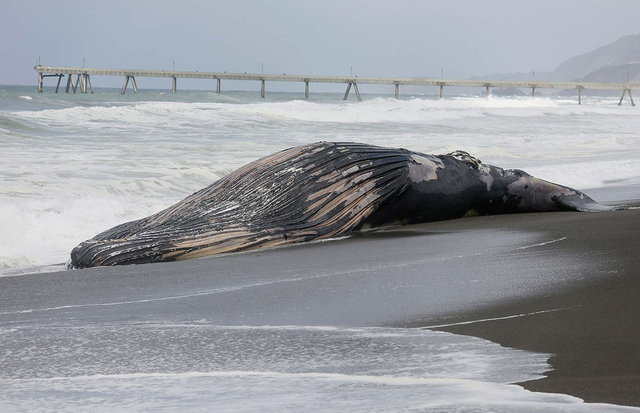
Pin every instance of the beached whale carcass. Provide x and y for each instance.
(320, 191)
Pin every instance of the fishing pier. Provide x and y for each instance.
(83, 81)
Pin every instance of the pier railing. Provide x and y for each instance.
(83, 81)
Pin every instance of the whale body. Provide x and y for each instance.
(325, 190)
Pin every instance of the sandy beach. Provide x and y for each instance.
(594, 332)
(558, 283)
(563, 284)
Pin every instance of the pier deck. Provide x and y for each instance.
(83, 78)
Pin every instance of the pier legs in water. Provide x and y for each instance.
(58, 85)
(88, 78)
(397, 91)
(533, 92)
(630, 97)
(218, 86)
(306, 90)
(262, 89)
(486, 94)
(441, 91)
(74, 85)
(126, 82)
(174, 85)
(40, 83)
(579, 96)
(355, 87)
(346, 94)
(78, 83)
(133, 83)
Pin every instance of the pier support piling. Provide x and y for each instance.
(59, 80)
(346, 94)
(397, 91)
(580, 96)
(133, 83)
(622, 97)
(74, 86)
(68, 83)
(40, 83)
(218, 86)
(441, 91)
(126, 83)
(174, 85)
(90, 85)
(533, 92)
(306, 90)
(355, 87)
(486, 94)
(262, 89)
(631, 97)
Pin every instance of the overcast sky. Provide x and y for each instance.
(394, 38)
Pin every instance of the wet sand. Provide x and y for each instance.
(584, 267)
(595, 334)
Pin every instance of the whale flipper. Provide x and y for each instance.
(586, 204)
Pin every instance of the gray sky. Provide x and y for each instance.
(394, 38)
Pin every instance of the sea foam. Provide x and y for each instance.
(290, 368)
(70, 170)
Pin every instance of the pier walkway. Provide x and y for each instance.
(83, 81)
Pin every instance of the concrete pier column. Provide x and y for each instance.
(174, 84)
(486, 95)
(126, 83)
(59, 80)
(631, 97)
(622, 97)
(579, 96)
(306, 90)
(533, 92)
(40, 83)
(90, 85)
(133, 83)
(69, 81)
(397, 91)
(355, 87)
(75, 86)
(218, 86)
(441, 91)
(346, 94)
(83, 84)
(262, 90)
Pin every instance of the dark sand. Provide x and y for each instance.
(596, 339)
(584, 265)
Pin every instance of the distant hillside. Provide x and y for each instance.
(621, 52)
(614, 74)
(616, 58)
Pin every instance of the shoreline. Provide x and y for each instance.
(555, 283)
(591, 326)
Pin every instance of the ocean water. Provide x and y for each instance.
(203, 367)
(72, 166)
